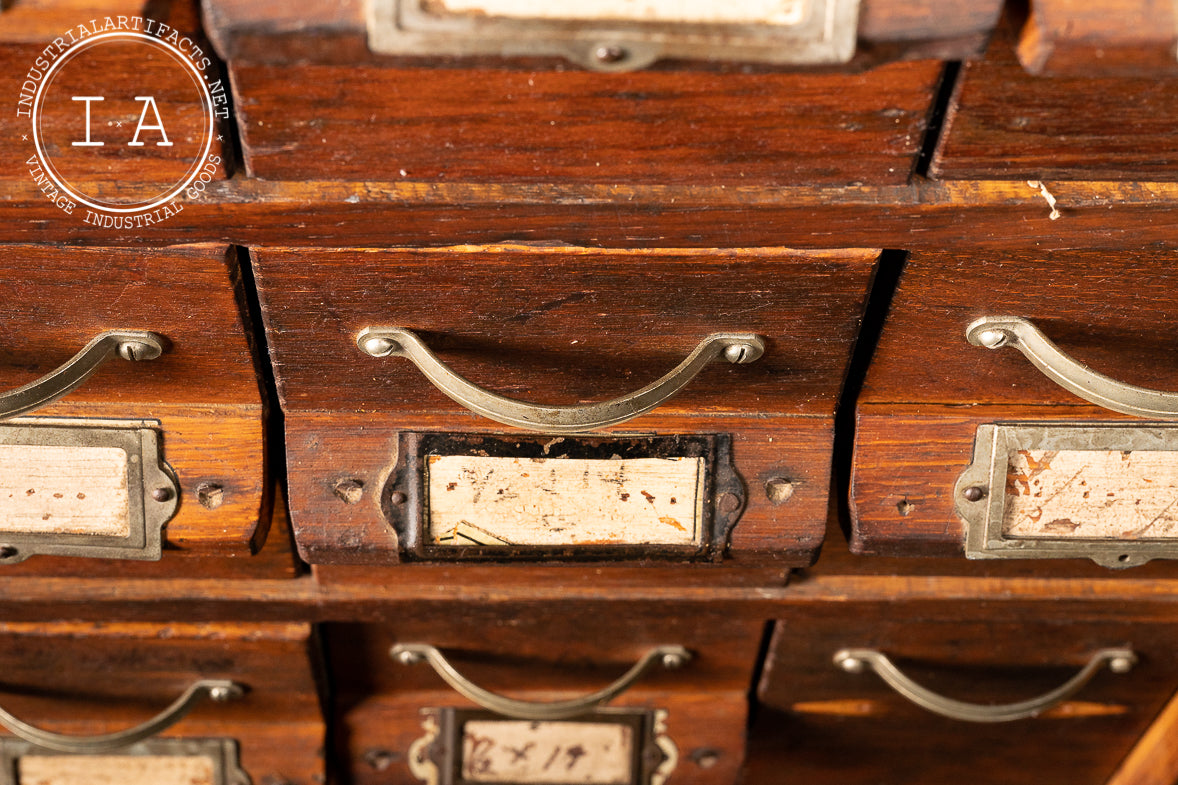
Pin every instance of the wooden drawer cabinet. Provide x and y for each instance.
(399, 721)
(175, 442)
(734, 468)
(822, 721)
(256, 707)
(938, 402)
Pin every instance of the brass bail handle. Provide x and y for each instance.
(738, 348)
(995, 332)
(859, 660)
(218, 690)
(128, 344)
(412, 653)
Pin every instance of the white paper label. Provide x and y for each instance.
(65, 490)
(114, 770)
(760, 12)
(1092, 494)
(552, 753)
(477, 500)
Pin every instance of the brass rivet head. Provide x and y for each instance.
(610, 53)
(162, 494)
(974, 493)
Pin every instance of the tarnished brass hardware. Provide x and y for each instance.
(129, 344)
(995, 332)
(859, 660)
(413, 653)
(218, 690)
(739, 348)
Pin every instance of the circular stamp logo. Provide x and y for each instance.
(122, 118)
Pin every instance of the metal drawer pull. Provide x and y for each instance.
(856, 660)
(412, 653)
(218, 690)
(994, 332)
(128, 344)
(398, 342)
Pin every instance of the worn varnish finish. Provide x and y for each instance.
(81, 678)
(1005, 124)
(823, 723)
(928, 389)
(562, 325)
(545, 654)
(203, 390)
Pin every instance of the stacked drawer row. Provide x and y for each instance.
(653, 414)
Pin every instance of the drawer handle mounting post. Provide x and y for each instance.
(859, 660)
(412, 653)
(995, 332)
(218, 690)
(128, 344)
(736, 348)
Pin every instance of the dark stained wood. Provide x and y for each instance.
(822, 722)
(540, 126)
(928, 389)
(81, 678)
(545, 654)
(40, 21)
(1082, 38)
(203, 390)
(1006, 124)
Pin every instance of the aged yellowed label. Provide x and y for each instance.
(66, 490)
(761, 12)
(475, 500)
(1092, 494)
(114, 770)
(552, 753)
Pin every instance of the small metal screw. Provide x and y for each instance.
(705, 757)
(210, 495)
(610, 53)
(398, 497)
(905, 507)
(162, 494)
(974, 493)
(350, 491)
(673, 661)
(379, 760)
(379, 347)
(992, 339)
(739, 353)
(135, 350)
(729, 502)
(852, 664)
(8, 552)
(408, 657)
(1121, 664)
(221, 694)
(779, 490)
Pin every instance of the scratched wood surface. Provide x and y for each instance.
(84, 678)
(545, 654)
(823, 723)
(1005, 124)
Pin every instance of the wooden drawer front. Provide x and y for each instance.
(577, 128)
(817, 718)
(200, 397)
(89, 679)
(562, 325)
(929, 390)
(546, 655)
(1005, 124)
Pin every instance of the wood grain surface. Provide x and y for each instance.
(1006, 124)
(1080, 38)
